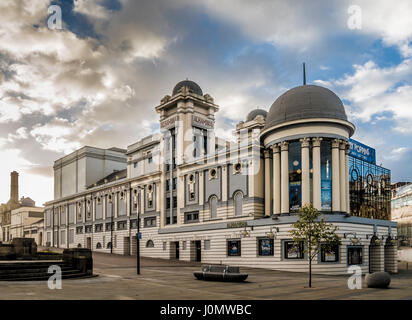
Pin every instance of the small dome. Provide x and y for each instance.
(254, 113)
(193, 87)
(305, 102)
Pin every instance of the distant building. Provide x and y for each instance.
(20, 219)
(402, 210)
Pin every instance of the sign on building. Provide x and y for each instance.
(363, 152)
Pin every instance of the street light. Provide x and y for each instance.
(138, 229)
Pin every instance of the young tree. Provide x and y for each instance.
(313, 232)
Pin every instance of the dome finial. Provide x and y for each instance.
(304, 74)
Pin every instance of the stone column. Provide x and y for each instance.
(267, 182)
(201, 188)
(316, 173)
(335, 176)
(276, 179)
(284, 177)
(342, 176)
(305, 144)
(347, 177)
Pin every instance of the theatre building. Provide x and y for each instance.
(197, 197)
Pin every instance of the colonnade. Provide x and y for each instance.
(278, 184)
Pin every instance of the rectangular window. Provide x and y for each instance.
(167, 220)
(71, 236)
(355, 255)
(167, 203)
(329, 253)
(135, 164)
(109, 226)
(207, 244)
(234, 248)
(174, 183)
(184, 245)
(294, 250)
(150, 222)
(121, 225)
(174, 202)
(167, 185)
(191, 217)
(150, 160)
(63, 237)
(133, 224)
(98, 227)
(265, 247)
(174, 219)
(164, 246)
(88, 229)
(79, 230)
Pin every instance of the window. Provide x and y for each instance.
(79, 230)
(174, 220)
(329, 253)
(238, 199)
(213, 207)
(167, 203)
(355, 255)
(109, 245)
(150, 222)
(98, 227)
(149, 244)
(212, 173)
(184, 245)
(294, 250)
(63, 237)
(295, 176)
(150, 159)
(174, 202)
(133, 224)
(167, 220)
(135, 164)
(207, 244)
(98, 245)
(121, 225)
(164, 246)
(265, 247)
(234, 248)
(167, 185)
(191, 217)
(326, 174)
(174, 183)
(88, 229)
(109, 226)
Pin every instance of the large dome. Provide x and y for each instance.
(305, 102)
(193, 87)
(256, 112)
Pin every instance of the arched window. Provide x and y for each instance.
(109, 245)
(79, 245)
(238, 199)
(98, 245)
(213, 207)
(149, 244)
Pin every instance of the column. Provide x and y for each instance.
(342, 176)
(224, 182)
(201, 188)
(316, 173)
(267, 182)
(347, 177)
(335, 176)
(284, 177)
(276, 179)
(305, 144)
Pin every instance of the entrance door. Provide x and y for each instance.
(198, 250)
(126, 246)
(177, 250)
(89, 243)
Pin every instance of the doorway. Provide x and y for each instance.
(176, 246)
(89, 243)
(126, 246)
(198, 246)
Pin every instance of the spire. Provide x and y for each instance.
(304, 74)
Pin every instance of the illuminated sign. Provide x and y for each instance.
(361, 151)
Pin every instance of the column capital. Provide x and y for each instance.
(316, 141)
(347, 147)
(342, 145)
(266, 153)
(284, 146)
(275, 148)
(305, 142)
(335, 143)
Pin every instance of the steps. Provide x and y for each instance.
(36, 270)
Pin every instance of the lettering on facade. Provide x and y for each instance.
(202, 122)
(168, 123)
(237, 224)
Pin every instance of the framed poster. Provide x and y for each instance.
(329, 253)
(293, 250)
(326, 194)
(295, 196)
(233, 248)
(265, 247)
(355, 255)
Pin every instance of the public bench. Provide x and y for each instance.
(220, 273)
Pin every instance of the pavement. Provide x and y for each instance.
(174, 280)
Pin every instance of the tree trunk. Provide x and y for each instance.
(310, 273)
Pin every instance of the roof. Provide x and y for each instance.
(120, 174)
(305, 102)
(191, 85)
(254, 113)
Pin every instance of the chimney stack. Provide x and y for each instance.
(14, 186)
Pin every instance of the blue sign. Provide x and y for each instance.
(139, 235)
(361, 151)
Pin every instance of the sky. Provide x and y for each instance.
(97, 80)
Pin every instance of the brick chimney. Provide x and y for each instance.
(14, 186)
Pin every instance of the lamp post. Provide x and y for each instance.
(137, 235)
(111, 226)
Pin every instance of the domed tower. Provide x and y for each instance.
(305, 137)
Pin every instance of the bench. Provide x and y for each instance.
(220, 273)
